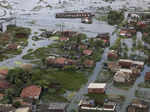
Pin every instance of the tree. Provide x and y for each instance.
(16, 104)
(115, 17)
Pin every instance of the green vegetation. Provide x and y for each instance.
(102, 18)
(115, 17)
(99, 98)
(13, 41)
(144, 85)
(67, 80)
(122, 86)
(105, 76)
(117, 44)
(69, 49)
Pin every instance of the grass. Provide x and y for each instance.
(144, 85)
(70, 80)
(122, 86)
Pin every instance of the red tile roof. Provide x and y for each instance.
(63, 39)
(89, 63)
(82, 46)
(60, 61)
(87, 52)
(1, 95)
(12, 46)
(123, 32)
(3, 72)
(31, 91)
(4, 84)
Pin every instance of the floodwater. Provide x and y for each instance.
(40, 14)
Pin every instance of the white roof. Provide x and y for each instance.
(138, 62)
(97, 85)
(134, 62)
(125, 60)
(23, 109)
(126, 70)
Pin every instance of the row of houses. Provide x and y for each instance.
(127, 71)
(90, 105)
(61, 62)
(138, 106)
(49, 107)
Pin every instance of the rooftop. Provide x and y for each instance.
(3, 71)
(97, 85)
(87, 52)
(126, 70)
(31, 91)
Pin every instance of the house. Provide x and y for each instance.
(97, 88)
(122, 76)
(131, 109)
(82, 46)
(7, 108)
(53, 107)
(3, 73)
(12, 46)
(32, 92)
(89, 106)
(62, 39)
(112, 55)
(87, 52)
(147, 76)
(138, 64)
(88, 63)
(124, 63)
(103, 36)
(125, 32)
(50, 60)
(23, 109)
(138, 106)
(68, 33)
(4, 85)
(21, 35)
(60, 61)
(132, 30)
(141, 24)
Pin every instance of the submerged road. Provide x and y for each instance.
(79, 95)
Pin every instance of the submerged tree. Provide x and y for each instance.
(115, 17)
